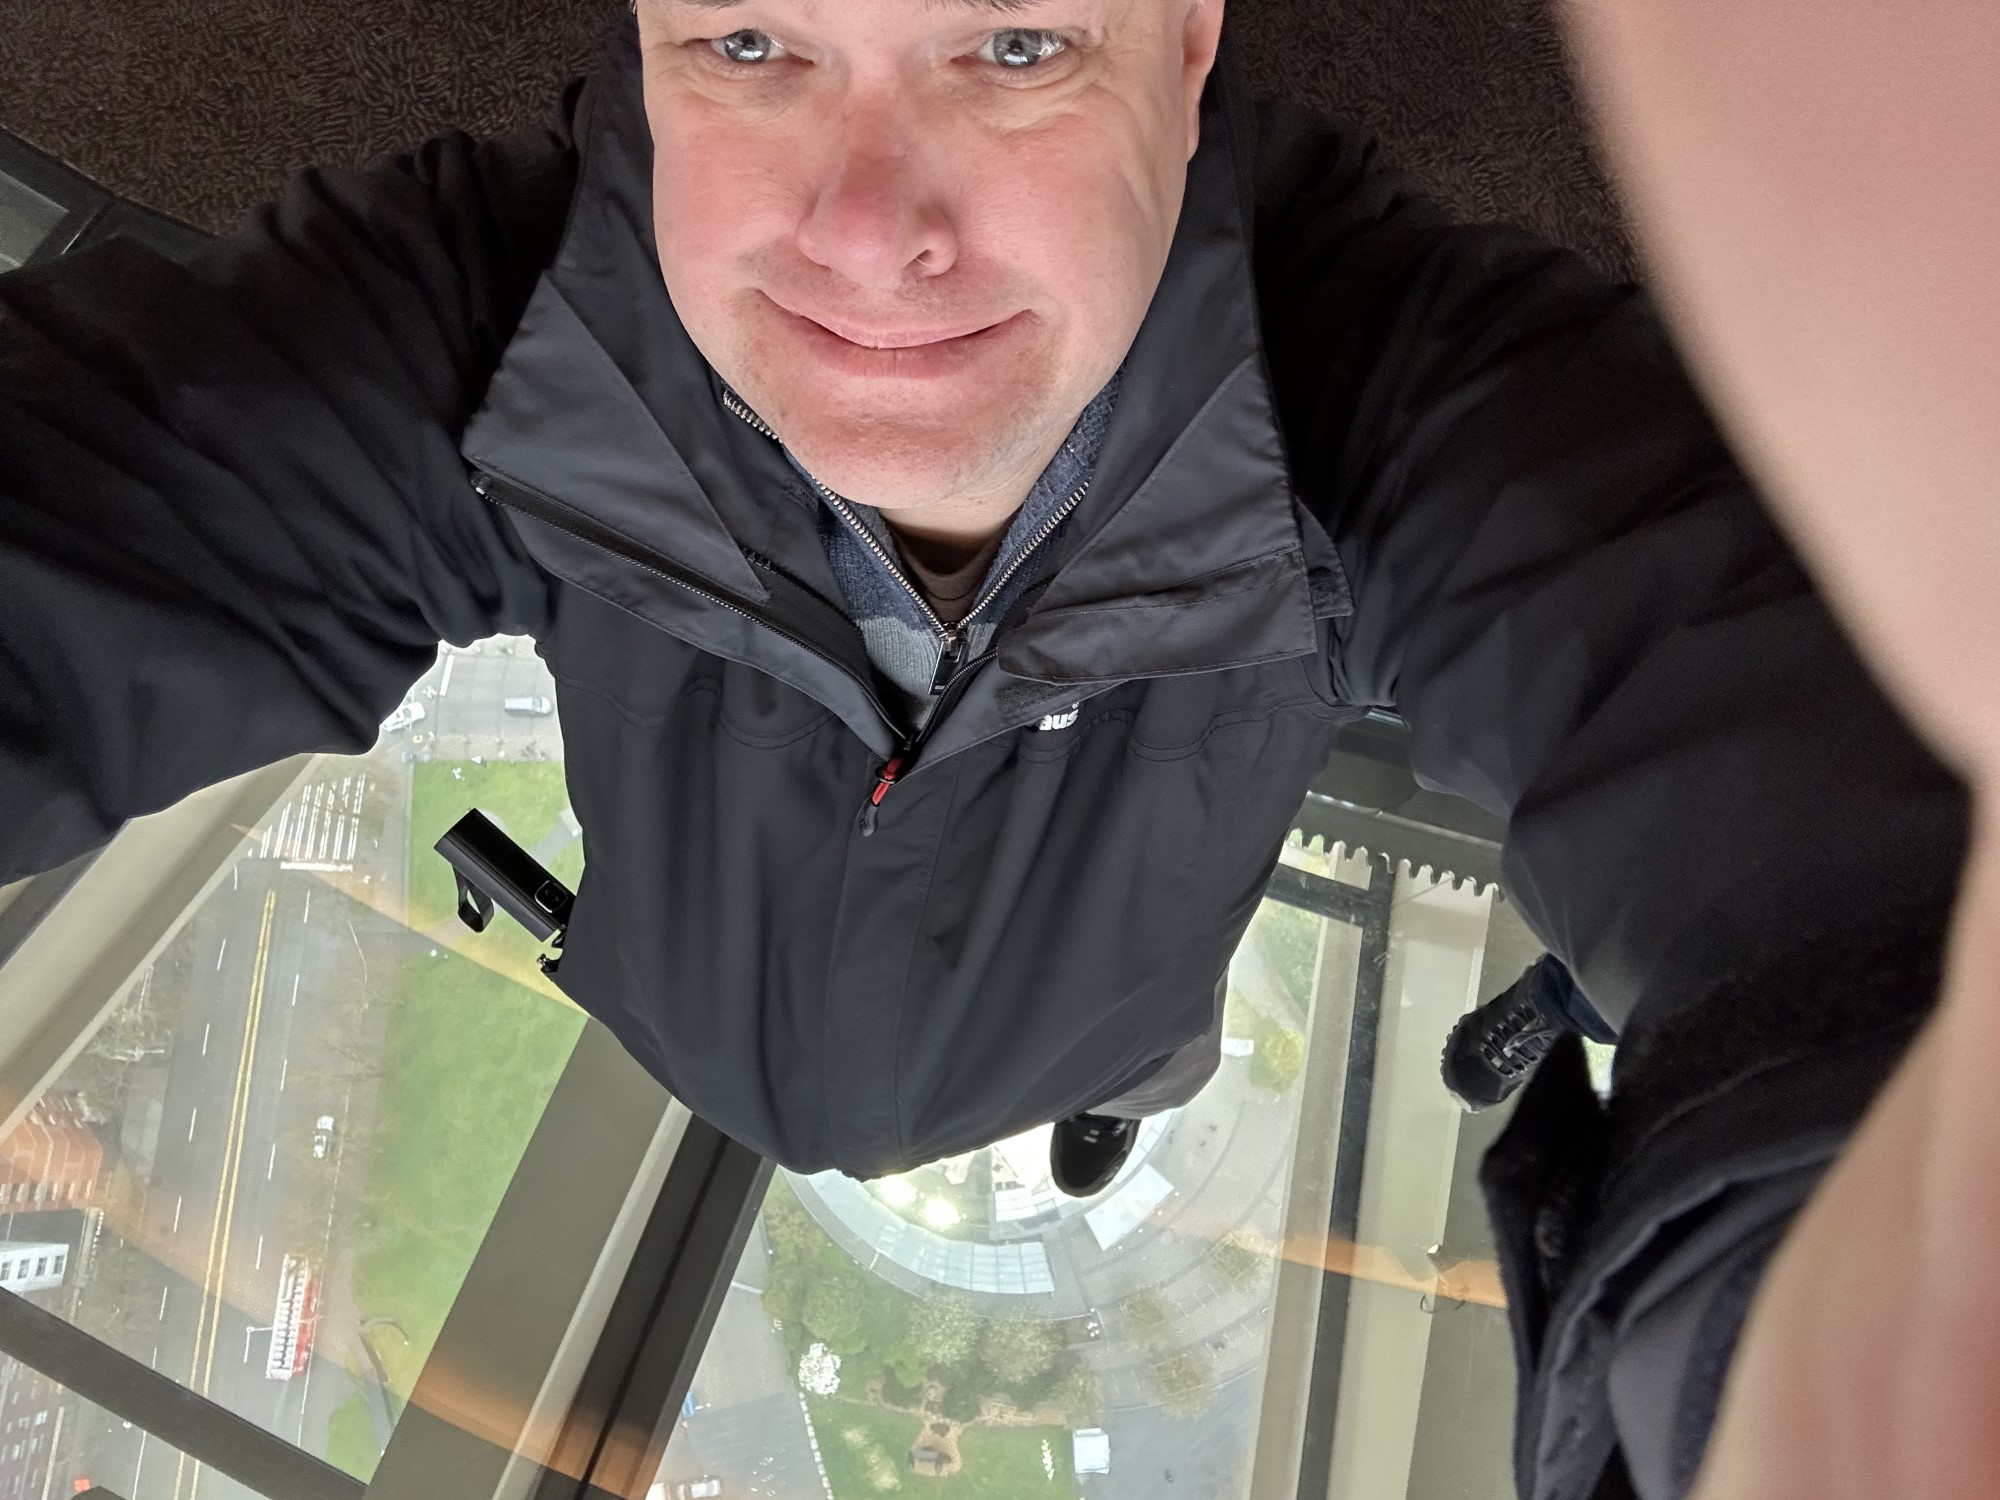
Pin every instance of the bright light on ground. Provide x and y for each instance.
(897, 1192)
(939, 1213)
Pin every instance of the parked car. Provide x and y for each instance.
(403, 718)
(536, 705)
(322, 1137)
(706, 1488)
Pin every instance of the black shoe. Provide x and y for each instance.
(1495, 1047)
(1086, 1152)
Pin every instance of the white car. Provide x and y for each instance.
(536, 705)
(403, 718)
(322, 1137)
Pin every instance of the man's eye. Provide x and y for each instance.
(1019, 49)
(746, 48)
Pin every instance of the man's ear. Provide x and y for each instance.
(1200, 36)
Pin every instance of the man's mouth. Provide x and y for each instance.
(896, 338)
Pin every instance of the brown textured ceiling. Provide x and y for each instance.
(199, 108)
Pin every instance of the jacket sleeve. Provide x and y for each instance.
(1567, 587)
(234, 523)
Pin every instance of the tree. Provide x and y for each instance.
(1183, 1382)
(819, 1371)
(1079, 1394)
(1240, 1258)
(907, 1366)
(788, 1228)
(1147, 1318)
(945, 1329)
(1018, 1348)
(834, 1307)
(785, 1291)
(1281, 1053)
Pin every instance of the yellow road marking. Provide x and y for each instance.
(213, 1275)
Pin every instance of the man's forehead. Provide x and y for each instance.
(1001, 7)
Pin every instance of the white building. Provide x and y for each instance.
(32, 1265)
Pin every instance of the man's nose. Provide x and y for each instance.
(879, 219)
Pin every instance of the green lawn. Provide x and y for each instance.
(350, 1438)
(866, 1448)
(469, 1061)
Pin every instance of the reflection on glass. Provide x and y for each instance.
(966, 1330)
(26, 217)
(54, 1443)
(273, 1163)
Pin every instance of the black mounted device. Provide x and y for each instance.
(493, 870)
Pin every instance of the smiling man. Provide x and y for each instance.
(962, 461)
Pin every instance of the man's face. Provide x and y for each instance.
(919, 235)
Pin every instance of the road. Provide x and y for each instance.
(270, 989)
(274, 1032)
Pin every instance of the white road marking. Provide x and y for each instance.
(177, 1212)
(295, 988)
(234, 873)
(156, 1356)
(206, 1027)
(163, 1306)
(283, 1069)
(218, 956)
(309, 908)
(260, 1252)
(193, 1115)
(273, 1167)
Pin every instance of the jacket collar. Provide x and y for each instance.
(1186, 555)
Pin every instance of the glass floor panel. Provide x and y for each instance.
(1248, 1311)
(26, 217)
(272, 1165)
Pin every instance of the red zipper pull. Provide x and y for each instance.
(884, 779)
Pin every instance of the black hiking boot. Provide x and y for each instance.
(1496, 1046)
(1086, 1152)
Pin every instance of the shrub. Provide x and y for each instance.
(961, 1401)
(1018, 1349)
(945, 1330)
(907, 1394)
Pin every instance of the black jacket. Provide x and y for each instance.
(1361, 456)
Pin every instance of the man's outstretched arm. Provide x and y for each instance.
(234, 524)
(1565, 584)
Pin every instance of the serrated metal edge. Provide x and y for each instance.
(1413, 851)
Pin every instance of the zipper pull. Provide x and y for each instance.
(950, 659)
(884, 779)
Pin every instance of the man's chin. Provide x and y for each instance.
(893, 467)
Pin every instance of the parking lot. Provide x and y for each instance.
(464, 695)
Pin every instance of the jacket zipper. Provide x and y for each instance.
(510, 495)
(951, 639)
